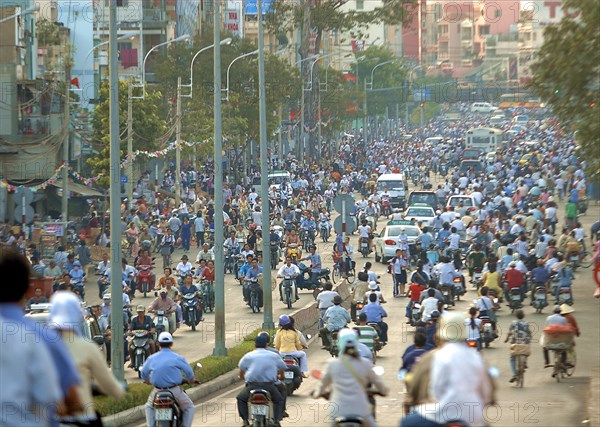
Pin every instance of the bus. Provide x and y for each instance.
(486, 139)
(519, 99)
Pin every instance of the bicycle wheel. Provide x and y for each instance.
(586, 260)
(335, 274)
(571, 362)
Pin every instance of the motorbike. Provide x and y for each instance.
(477, 275)
(457, 290)
(447, 295)
(539, 299)
(487, 335)
(289, 291)
(207, 295)
(324, 230)
(167, 412)
(574, 260)
(103, 284)
(161, 322)
(274, 255)
(293, 252)
(306, 237)
(472, 343)
(306, 281)
(260, 408)
(386, 208)
(230, 263)
(192, 311)
(79, 285)
(514, 299)
(364, 247)
(415, 317)
(565, 296)
(494, 298)
(141, 347)
(253, 288)
(144, 279)
(292, 376)
(333, 348)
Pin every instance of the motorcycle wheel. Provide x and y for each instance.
(288, 299)
(139, 362)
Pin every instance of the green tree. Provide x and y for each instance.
(566, 74)
(315, 17)
(148, 127)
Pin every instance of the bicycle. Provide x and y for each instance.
(520, 365)
(563, 369)
(338, 272)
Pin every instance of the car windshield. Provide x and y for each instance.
(409, 231)
(426, 199)
(390, 185)
(413, 212)
(455, 201)
(276, 180)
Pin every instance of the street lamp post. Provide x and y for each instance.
(220, 349)
(115, 205)
(21, 13)
(226, 90)
(366, 93)
(264, 180)
(301, 136)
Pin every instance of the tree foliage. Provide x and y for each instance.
(147, 125)
(566, 74)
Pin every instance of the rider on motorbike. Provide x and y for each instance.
(146, 260)
(164, 371)
(309, 226)
(288, 269)
(138, 323)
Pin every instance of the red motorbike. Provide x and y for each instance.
(145, 279)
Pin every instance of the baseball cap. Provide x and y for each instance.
(165, 338)
(140, 308)
(106, 297)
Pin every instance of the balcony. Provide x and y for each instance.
(154, 18)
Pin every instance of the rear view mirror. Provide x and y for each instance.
(98, 339)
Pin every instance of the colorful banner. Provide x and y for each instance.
(160, 153)
(34, 188)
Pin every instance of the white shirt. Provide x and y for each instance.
(325, 299)
(458, 382)
(364, 231)
(184, 269)
(454, 240)
(473, 333)
(292, 270)
(428, 306)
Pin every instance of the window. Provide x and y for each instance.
(360, 5)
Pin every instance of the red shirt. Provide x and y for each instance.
(415, 291)
(514, 278)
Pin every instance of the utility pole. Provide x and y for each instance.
(365, 119)
(220, 349)
(65, 170)
(279, 136)
(301, 141)
(178, 145)
(264, 180)
(116, 312)
(422, 116)
(319, 120)
(130, 143)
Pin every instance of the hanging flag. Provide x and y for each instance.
(75, 82)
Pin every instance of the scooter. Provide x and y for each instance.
(167, 412)
(192, 311)
(289, 291)
(79, 285)
(308, 282)
(415, 318)
(161, 322)
(540, 299)
(515, 299)
(260, 408)
(457, 290)
(141, 348)
(253, 288)
(487, 335)
(364, 247)
(207, 295)
(565, 296)
(292, 376)
(447, 295)
(293, 251)
(324, 230)
(274, 255)
(471, 343)
(144, 278)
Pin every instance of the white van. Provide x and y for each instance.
(482, 107)
(397, 187)
(276, 178)
(434, 141)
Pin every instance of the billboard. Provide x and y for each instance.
(233, 22)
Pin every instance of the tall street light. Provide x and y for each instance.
(130, 98)
(301, 136)
(366, 115)
(356, 61)
(410, 79)
(264, 180)
(115, 205)
(220, 349)
(226, 41)
(226, 90)
(21, 13)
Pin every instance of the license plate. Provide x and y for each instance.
(445, 292)
(289, 375)
(163, 414)
(364, 245)
(258, 410)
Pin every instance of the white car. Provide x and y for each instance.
(467, 201)
(420, 212)
(387, 241)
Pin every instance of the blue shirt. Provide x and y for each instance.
(309, 225)
(165, 368)
(261, 366)
(315, 262)
(252, 273)
(374, 312)
(191, 290)
(425, 240)
(443, 235)
(336, 317)
(411, 357)
(67, 370)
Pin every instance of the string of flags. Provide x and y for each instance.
(34, 188)
(159, 153)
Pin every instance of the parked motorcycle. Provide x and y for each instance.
(192, 311)
(141, 348)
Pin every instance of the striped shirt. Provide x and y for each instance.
(368, 335)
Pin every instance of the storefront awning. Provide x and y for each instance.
(79, 189)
